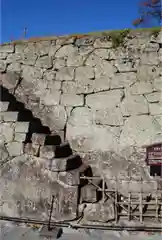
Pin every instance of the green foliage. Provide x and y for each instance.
(117, 37)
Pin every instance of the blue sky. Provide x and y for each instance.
(59, 17)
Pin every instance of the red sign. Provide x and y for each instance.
(154, 154)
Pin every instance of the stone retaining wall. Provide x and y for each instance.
(99, 97)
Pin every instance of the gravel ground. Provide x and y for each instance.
(12, 232)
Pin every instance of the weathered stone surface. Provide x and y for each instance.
(133, 105)
(147, 73)
(104, 100)
(100, 212)
(10, 80)
(91, 138)
(3, 66)
(44, 62)
(85, 72)
(72, 100)
(158, 83)
(81, 116)
(7, 131)
(22, 127)
(65, 74)
(7, 48)
(47, 152)
(3, 153)
(27, 188)
(38, 138)
(3, 56)
(141, 88)
(15, 67)
(55, 117)
(59, 63)
(42, 48)
(102, 42)
(122, 80)
(9, 116)
(126, 65)
(139, 131)
(20, 137)
(72, 178)
(155, 108)
(15, 149)
(31, 149)
(89, 194)
(63, 164)
(84, 41)
(3, 106)
(51, 98)
(66, 205)
(30, 73)
(150, 58)
(112, 117)
(104, 68)
(153, 97)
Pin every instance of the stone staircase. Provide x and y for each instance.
(23, 134)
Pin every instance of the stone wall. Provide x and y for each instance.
(104, 98)
(105, 101)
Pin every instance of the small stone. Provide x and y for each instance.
(38, 138)
(9, 116)
(7, 131)
(15, 149)
(3, 153)
(31, 149)
(4, 106)
(22, 127)
(47, 152)
(20, 137)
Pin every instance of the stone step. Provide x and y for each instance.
(9, 116)
(4, 106)
(63, 150)
(20, 137)
(59, 151)
(22, 127)
(63, 164)
(44, 139)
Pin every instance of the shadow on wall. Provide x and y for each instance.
(26, 115)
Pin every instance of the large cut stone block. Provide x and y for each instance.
(26, 190)
(66, 204)
(100, 212)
